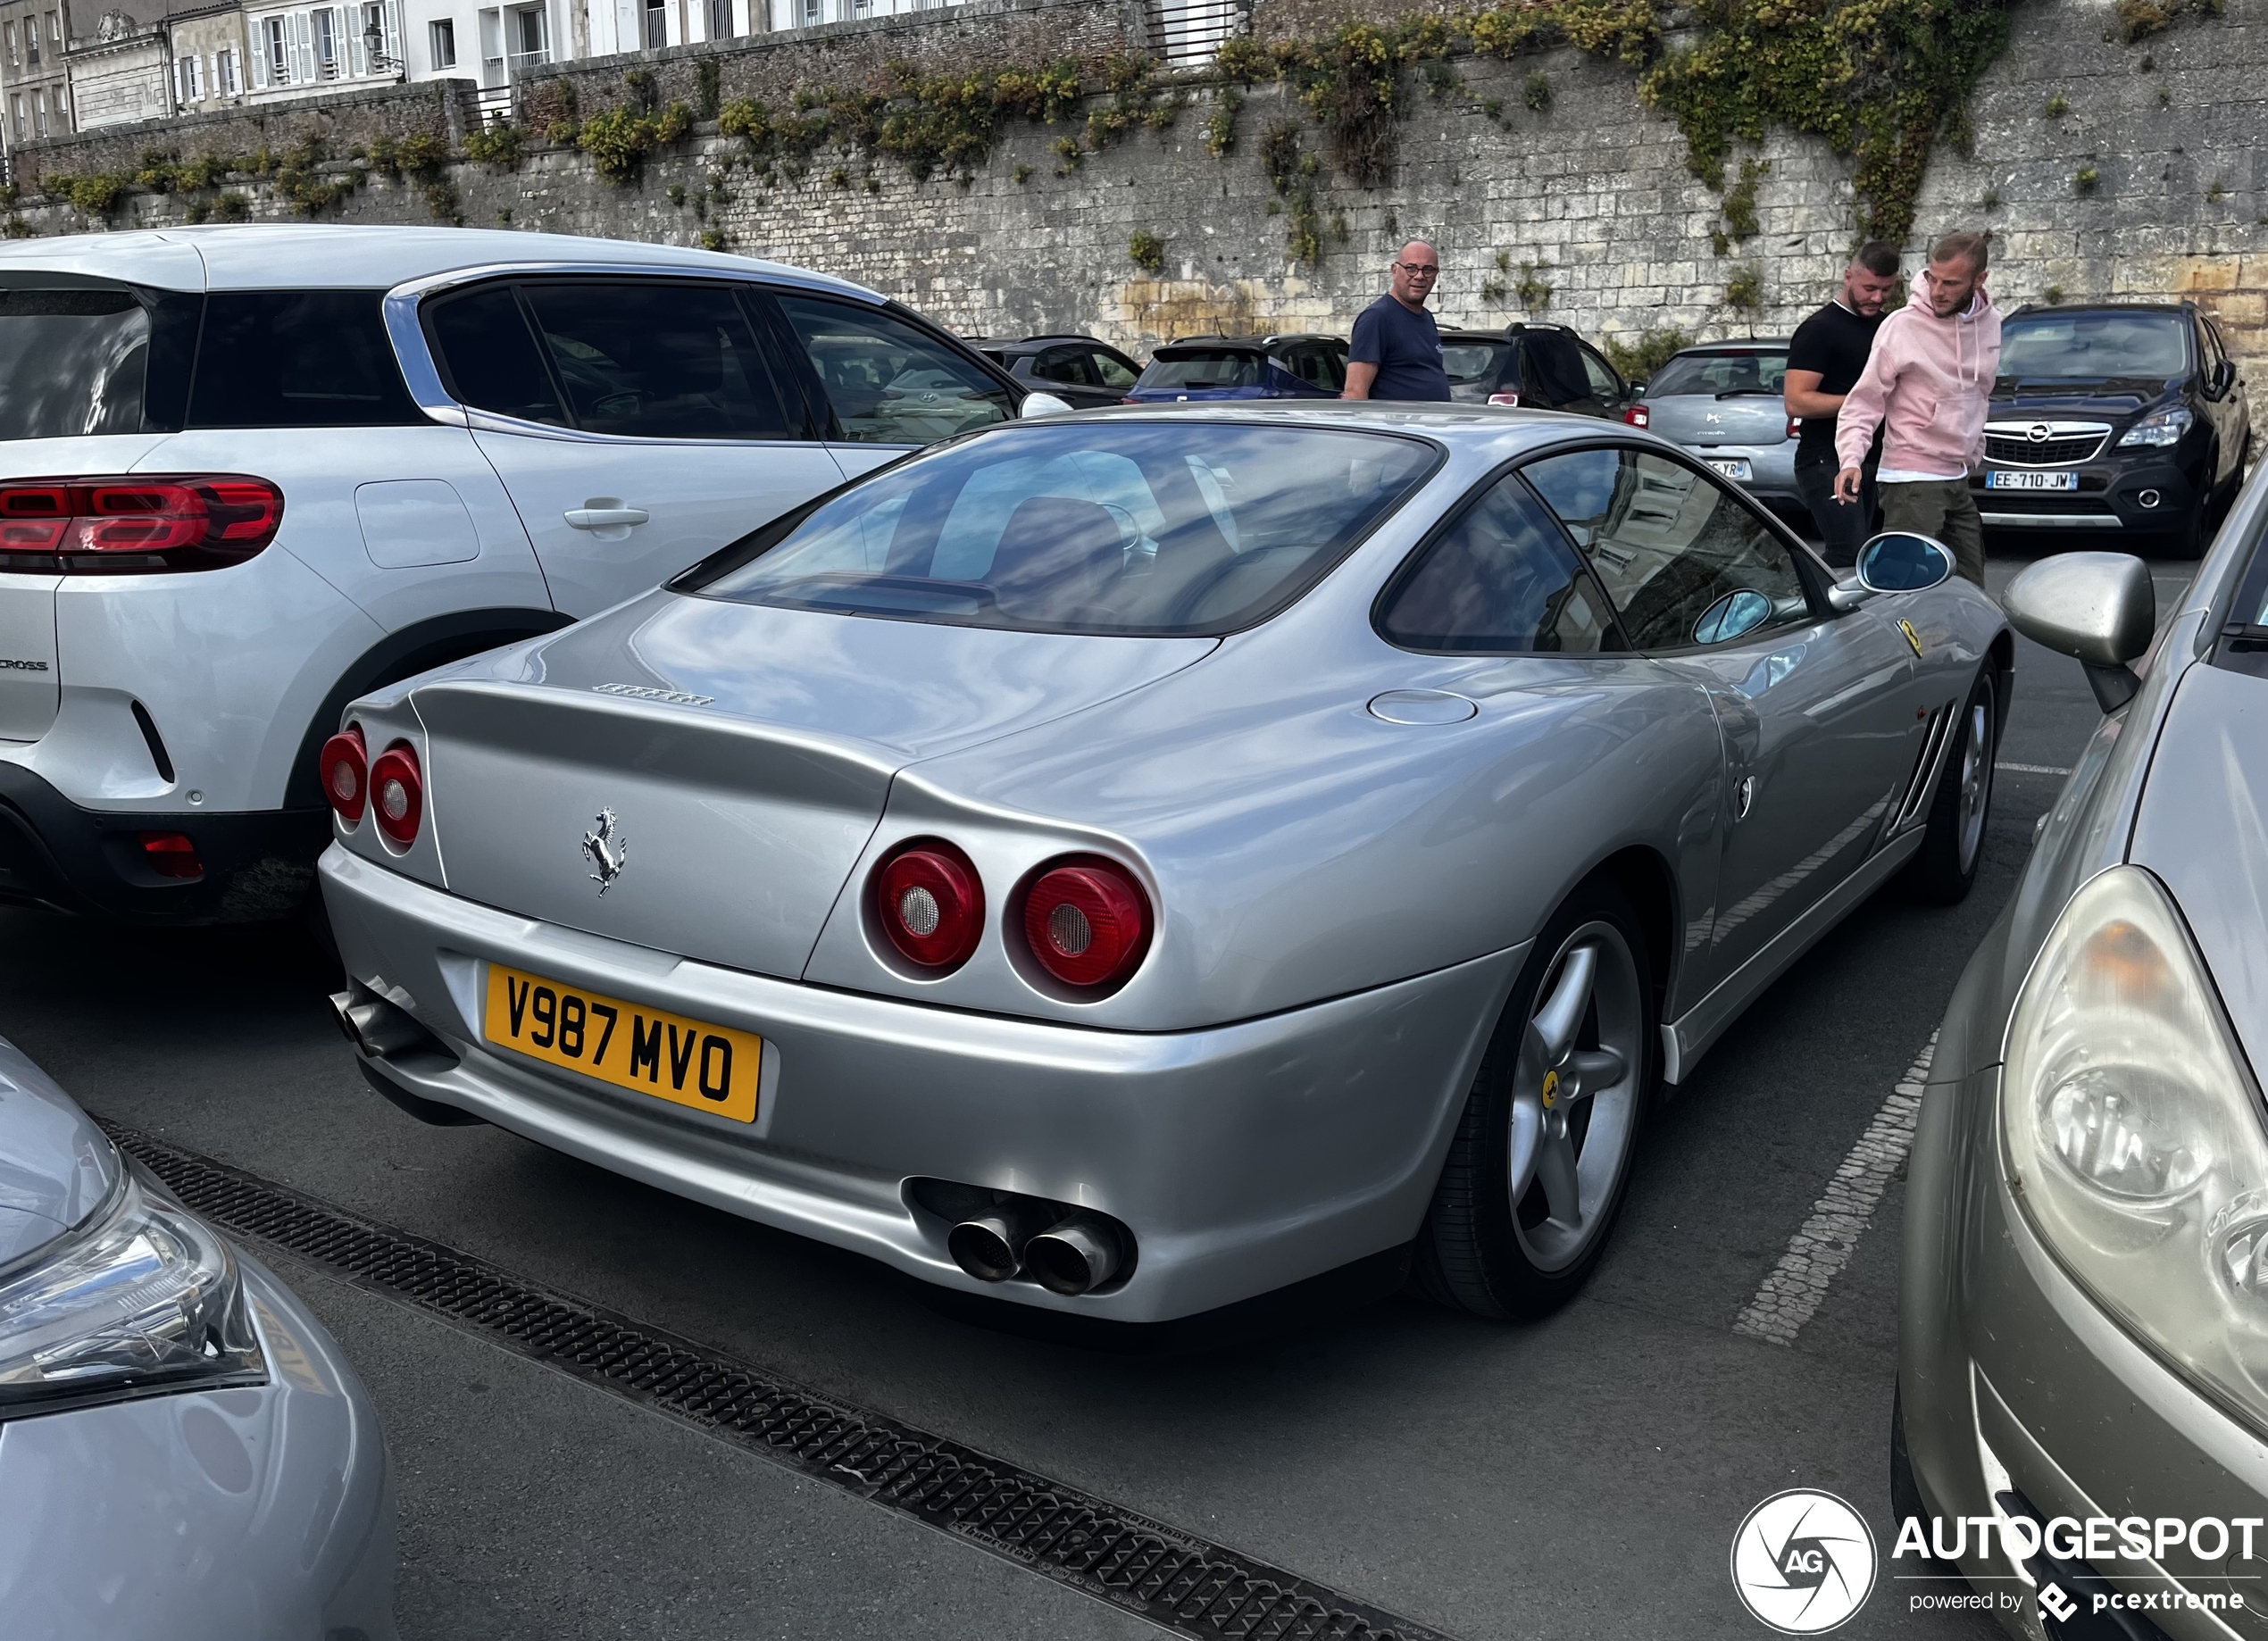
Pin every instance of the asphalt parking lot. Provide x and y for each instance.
(1579, 1477)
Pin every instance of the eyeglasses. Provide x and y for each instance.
(1420, 270)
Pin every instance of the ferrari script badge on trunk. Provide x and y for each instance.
(608, 850)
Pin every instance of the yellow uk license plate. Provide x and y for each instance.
(709, 1068)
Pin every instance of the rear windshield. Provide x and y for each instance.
(1204, 367)
(1722, 374)
(2093, 347)
(1477, 362)
(1182, 529)
(72, 363)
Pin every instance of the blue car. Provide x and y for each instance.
(1287, 367)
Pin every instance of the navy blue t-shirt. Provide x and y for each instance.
(1404, 346)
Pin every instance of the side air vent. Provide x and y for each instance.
(156, 742)
(1923, 780)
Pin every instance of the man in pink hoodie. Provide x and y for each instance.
(1927, 383)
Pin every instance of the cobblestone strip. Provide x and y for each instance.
(1817, 1252)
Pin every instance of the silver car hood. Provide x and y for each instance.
(55, 1166)
(2203, 829)
(744, 754)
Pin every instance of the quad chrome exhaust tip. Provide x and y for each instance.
(1003, 1236)
(375, 1026)
(1083, 1251)
(990, 1246)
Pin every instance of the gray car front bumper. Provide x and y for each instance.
(1243, 1157)
(2013, 1379)
(259, 1513)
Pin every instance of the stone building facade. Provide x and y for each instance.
(1583, 212)
(32, 76)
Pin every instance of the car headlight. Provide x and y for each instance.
(2164, 427)
(143, 1298)
(2134, 1135)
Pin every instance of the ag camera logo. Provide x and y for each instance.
(1803, 1561)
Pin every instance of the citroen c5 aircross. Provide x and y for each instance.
(249, 473)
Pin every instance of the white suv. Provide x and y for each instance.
(248, 474)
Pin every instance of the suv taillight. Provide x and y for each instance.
(397, 793)
(1087, 922)
(1794, 427)
(1637, 415)
(345, 769)
(1504, 398)
(136, 524)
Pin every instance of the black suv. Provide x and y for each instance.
(2126, 418)
(1544, 367)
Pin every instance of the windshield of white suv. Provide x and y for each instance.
(1184, 529)
(2093, 347)
(72, 363)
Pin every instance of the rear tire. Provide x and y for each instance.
(1541, 1161)
(1945, 867)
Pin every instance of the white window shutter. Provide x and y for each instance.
(358, 57)
(390, 18)
(260, 49)
(303, 48)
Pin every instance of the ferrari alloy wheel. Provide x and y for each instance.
(1541, 1163)
(1945, 865)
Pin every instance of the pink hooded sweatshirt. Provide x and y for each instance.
(1931, 378)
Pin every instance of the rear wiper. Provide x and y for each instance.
(1741, 393)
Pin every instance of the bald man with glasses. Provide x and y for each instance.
(1395, 352)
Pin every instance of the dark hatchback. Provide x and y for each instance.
(1543, 367)
(1085, 373)
(1270, 367)
(2126, 419)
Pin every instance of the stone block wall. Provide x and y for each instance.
(1590, 199)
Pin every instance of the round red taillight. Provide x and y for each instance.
(931, 902)
(397, 793)
(1087, 922)
(345, 769)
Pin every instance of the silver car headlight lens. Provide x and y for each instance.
(2166, 427)
(143, 1298)
(2134, 1135)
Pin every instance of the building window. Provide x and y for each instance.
(13, 61)
(278, 54)
(31, 42)
(658, 25)
(56, 31)
(39, 113)
(188, 79)
(228, 79)
(15, 107)
(326, 44)
(815, 14)
(445, 43)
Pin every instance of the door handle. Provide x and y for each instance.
(604, 513)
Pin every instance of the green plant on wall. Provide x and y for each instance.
(1534, 293)
(1293, 174)
(1147, 250)
(495, 145)
(1639, 360)
(1744, 293)
(1537, 93)
(2137, 18)
(2089, 180)
(1221, 124)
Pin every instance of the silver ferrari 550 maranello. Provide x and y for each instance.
(1135, 861)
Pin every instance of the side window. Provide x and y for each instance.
(1685, 561)
(488, 357)
(1502, 578)
(1606, 388)
(1112, 371)
(889, 382)
(297, 359)
(1065, 364)
(653, 359)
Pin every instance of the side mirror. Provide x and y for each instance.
(1043, 404)
(1894, 561)
(2098, 608)
(2224, 376)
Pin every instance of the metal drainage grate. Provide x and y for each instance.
(1181, 1583)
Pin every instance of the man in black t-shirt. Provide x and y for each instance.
(1824, 361)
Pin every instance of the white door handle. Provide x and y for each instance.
(605, 514)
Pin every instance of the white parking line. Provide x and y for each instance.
(2031, 769)
(1824, 1246)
